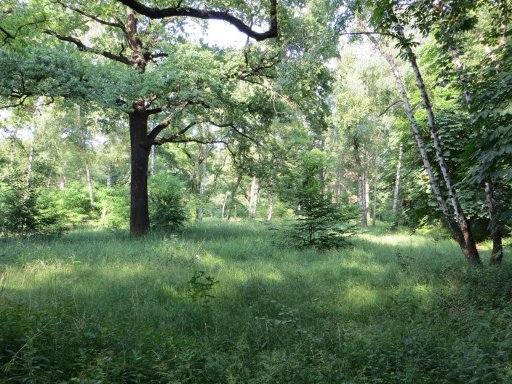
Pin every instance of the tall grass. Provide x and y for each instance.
(221, 303)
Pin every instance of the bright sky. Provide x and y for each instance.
(219, 33)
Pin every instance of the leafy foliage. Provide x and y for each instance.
(167, 210)
(321, 223)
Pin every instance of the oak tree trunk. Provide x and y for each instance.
(139, 207)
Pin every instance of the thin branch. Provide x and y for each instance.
(200, 141)
(154, 133)
(153, 111)
(18, 30)
(161, 13)
(7, 34)
(234, 128)
(117, 24)
(389, 107)
(22, 98)
(82, 47)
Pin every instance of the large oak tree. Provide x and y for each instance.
(114, 55)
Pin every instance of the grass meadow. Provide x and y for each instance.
(223, 303)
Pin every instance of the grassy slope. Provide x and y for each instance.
(104, 308)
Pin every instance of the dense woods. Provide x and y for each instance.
(325, 127)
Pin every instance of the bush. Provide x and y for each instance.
(166, 207)
(25, 213)
(114, 203)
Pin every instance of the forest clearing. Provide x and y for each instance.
(221, 303)
(264, 191)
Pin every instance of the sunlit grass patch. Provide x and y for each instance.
(222, 303)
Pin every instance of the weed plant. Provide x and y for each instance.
(219, 303)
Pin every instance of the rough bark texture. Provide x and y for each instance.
(139, 208)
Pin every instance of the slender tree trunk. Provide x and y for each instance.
(361, 183)
(139, 209)
(28, 180)
(366, 194)
(497, 246)
(375, 184)
(109, 175)
(270, 206)
(232, 196)
(253, 198)
(472, 252)
(222, 211)
(457, 231)
(396, 193)
(89, 184)
(494, 227)
(12, 149)
(202, 188)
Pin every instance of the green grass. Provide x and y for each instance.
(100, 307)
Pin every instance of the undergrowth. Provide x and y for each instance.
(219, 303)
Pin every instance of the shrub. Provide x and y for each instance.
(166, 207)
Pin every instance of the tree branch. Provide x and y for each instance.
(82, 47)
(389, 107)
(160, 127)
(161, 13)
(7, 34)
(232, 126)
(200, 141)
(22, 99)
(117, 24)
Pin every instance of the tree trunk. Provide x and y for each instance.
(396, 192)
(497, 246)
(361, 183)
(202, 187)
(457, 231)
(270, 206)
(109, 175)
(375, 199)
(253, 198)
(232, 197)
(223, 209)
(28, 180)
(494, 227)
(89, 184)
(139, 208)
(472, 252)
